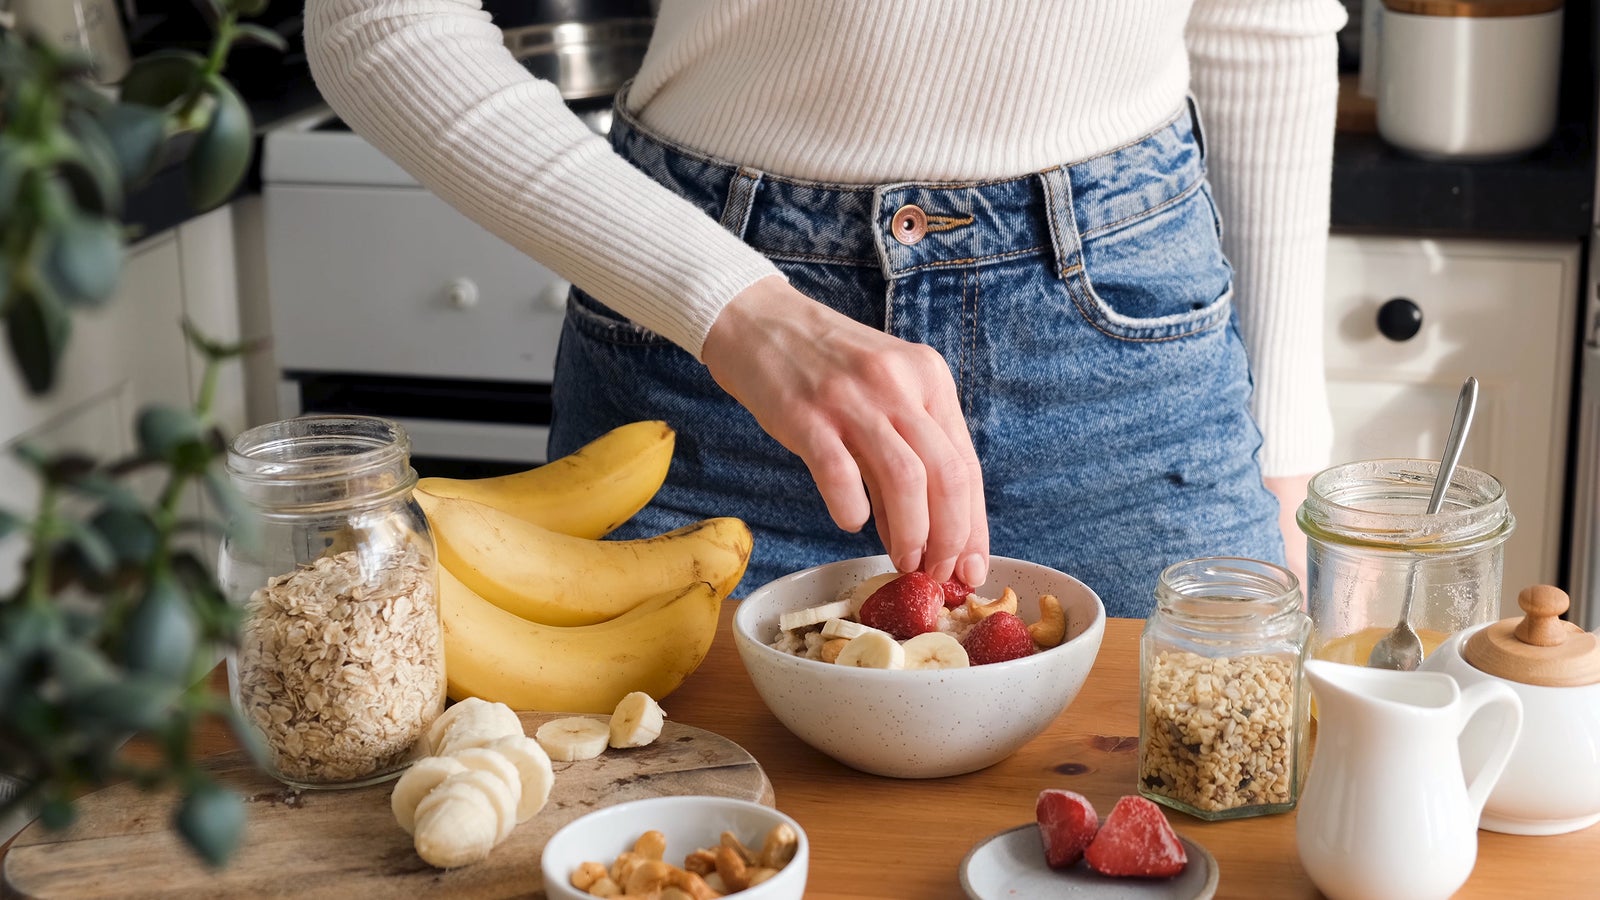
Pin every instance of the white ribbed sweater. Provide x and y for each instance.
(869, 91)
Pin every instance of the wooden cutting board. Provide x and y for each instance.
(345, 843)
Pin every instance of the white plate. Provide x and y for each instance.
(1011, 864)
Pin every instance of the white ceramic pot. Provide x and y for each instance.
(1551, 784)
(1468, 81)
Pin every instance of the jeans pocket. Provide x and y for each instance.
(594, 320)
(1158, 276)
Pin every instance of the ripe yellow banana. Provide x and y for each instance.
(556, 579)
(492, 654)
(586, 493)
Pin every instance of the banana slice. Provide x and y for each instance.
(844, 628)
(873, 650)
(494, 787)
(935, 650)
(457, 823)
(478, 726)
(533, 766)
(484, 759)
(573, 738)
(423, 776)
(859, 594)
(802, 618)
(637, 721)
(450, 714)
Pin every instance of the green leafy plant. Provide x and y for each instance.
(116, 619)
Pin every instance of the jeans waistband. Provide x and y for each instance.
(908, 227)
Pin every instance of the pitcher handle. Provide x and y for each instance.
(1473, 701)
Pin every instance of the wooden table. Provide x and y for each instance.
(875, 837)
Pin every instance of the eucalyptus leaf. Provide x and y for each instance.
(220, 156)
(159, 79)
(37, 328)
(133, 703)
(248, 33)
(133, 538)
(162, 429)
(211, 820)
(57, 813)
(101, 486)
(248, 736)
(83, 259)
(249, 8)
(81, 669)
(159, 637)
(91, 167)
(91, 547)
(15, 160)
(10, 522)
(136, 133)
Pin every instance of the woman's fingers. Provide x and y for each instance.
(860, 406)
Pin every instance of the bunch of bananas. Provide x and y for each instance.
(539, 613)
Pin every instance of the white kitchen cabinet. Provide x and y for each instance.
(1501, 311)
(128, 354)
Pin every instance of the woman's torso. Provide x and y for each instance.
(862, 91)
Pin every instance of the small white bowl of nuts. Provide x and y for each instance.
(900, 676)
(691, 847)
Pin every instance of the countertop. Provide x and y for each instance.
(874, 837)
(1547, 195)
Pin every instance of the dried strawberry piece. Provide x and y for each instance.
(955, 593)
(1067, 823)
(905, 607)
(1137, 840)
(1000, 637)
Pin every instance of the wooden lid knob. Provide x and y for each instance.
(1539, 648)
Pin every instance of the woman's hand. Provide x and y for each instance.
(858, 405)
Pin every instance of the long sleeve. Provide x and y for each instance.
(1265, 74)
(430, 83)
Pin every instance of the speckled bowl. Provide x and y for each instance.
(918, 723)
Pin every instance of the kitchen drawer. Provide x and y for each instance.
(392, 281)
(1502, 312)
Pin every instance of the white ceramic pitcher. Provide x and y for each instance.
(1387, 811)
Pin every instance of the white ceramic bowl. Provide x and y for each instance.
(689, 823)
(918, 723)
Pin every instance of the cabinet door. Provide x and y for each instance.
(1502, 312)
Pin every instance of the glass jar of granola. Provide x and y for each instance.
(1224, 703)
(340, 663)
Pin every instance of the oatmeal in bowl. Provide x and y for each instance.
(905, 703)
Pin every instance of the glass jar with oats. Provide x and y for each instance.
(1225, 706)
(340, 663)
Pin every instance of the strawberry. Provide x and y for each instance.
(1067, 823)
(905, 607)
(1136, 840)
(999, 637)
(955, 593)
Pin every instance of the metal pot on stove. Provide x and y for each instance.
(586, 48)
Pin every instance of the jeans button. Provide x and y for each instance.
(910, 224)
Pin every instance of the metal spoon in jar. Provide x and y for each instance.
(1401, 648)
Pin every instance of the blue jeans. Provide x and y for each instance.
(1086, 315)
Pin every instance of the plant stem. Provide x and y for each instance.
(220, 44)
(39, 565)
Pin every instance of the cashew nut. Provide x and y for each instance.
(830, 650)
(760, 874)
(1051, 629)
(651, 845)
(730, 840)
(605, 887)
(978, 610)
(649, 875)
(672, 893)
(780, 846)
(623, 867)
(587, 875)
(692, 885)
(731, 866)
(701, 862)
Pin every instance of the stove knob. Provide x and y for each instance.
(1399, 319)
(554, 296)
(462, 293)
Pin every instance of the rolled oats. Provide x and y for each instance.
(341, 664)
(1220, 733)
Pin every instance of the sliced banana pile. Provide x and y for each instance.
(484, 778)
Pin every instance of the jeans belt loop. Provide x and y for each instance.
(1063, 221)
(1196, 124)
(741, 199)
